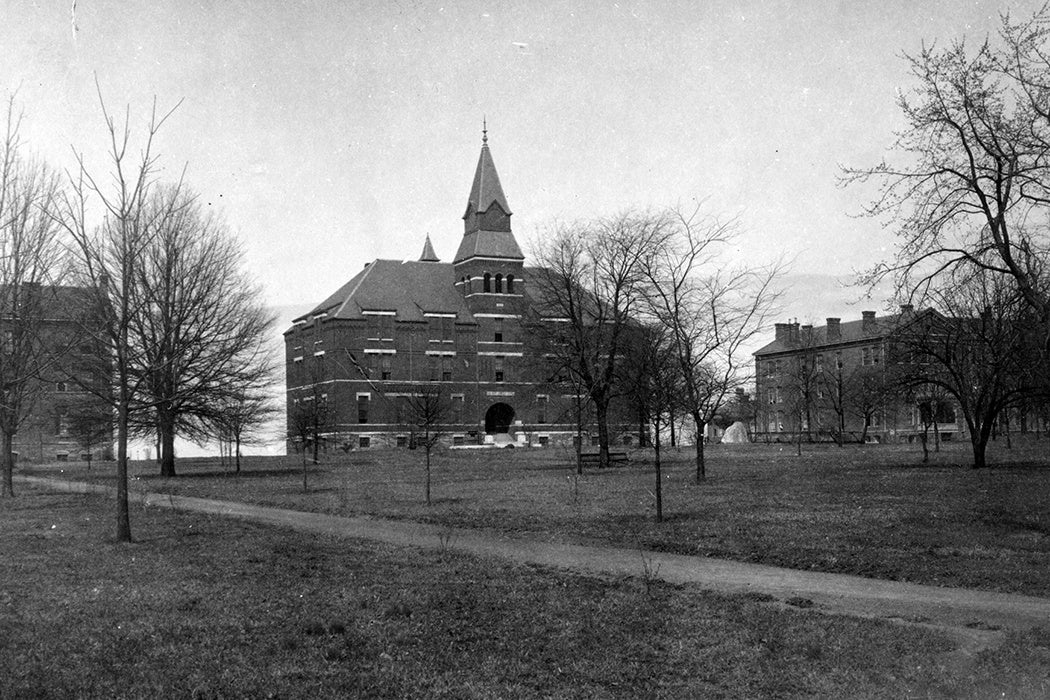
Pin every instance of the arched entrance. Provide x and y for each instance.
(498, 418)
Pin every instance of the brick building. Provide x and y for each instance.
(59, 411)
(829, 381)
(396, 325)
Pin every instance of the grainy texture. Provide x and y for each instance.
(867, 510)
(208, 607)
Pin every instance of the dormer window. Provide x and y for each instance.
(499, 284)
(487, 284)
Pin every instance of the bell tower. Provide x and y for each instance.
(489, 263)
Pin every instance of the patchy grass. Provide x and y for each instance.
(868, 510)
(205, 607)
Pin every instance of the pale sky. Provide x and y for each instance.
(333, 133)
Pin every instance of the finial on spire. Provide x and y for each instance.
(484, 131)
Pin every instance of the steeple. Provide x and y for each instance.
(428, 252)
(486, 223)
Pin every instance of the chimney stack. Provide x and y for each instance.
(906, 309)
(868, 321)
(783, 331)
(834, 333)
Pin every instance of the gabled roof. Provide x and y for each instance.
(410, 288)
(486, 189)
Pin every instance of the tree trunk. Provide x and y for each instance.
(7, 459)
(579, 436)
(670, 421)
(701, 468)
(237, 454)
(659, 478)
(428, 472)
(123, 517)
(601, 410)
(925, 445)
(979, 440)
(166, 446)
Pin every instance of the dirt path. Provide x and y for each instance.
(976, 618)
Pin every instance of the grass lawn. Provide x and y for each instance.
(206, 607)
(867, 510)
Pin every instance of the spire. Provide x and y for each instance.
(486, 223)
(486, 189)
(428, 252)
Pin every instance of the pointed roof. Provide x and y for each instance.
(428, 252)
(486, 189)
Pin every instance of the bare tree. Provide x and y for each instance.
(239, 417)
(92, 427)
(710, 310)
(588, 285)
(655, 388)
(428, 410)
(976, 345)
(971, 185)
(202, 328)
(309, 422)
(108, 261)
(30, 253)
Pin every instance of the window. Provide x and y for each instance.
(498, 368)
(594, 441)
(362, 407)
(499, 284)
(62, 423)
(838, 360)
(386, 327)
(486, 285)
(446, 368)
(820, 363)
(364, 441)
(457, 408)
(61, 386)
(402, 441)
(779, 396)
(498, 335)
(510, 284)
(865, 356)
(385, 370)
(457, 439)
(541, 409)
(432, 367)
(772, 423)
(772, 397)
(544, 440)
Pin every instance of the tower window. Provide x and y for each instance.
(362, 408)
(499, 368)
(498, 335)
(446, 368)
(499, 284)
(510, 284)
(487, 284)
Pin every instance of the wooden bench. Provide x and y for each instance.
(595, 458)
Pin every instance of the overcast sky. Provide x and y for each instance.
(333, 133)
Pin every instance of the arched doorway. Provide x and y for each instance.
(498, 418)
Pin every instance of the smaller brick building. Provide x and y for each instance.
(823, 383)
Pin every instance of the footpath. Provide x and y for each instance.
(977, 619)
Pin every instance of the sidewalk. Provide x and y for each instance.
(972, 612)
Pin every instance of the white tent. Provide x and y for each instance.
(736, 433)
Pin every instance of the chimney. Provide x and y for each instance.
(794, 332)
(834, 333)
(807, 333)
(783, 332)
(906, 309)
(868, 321)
